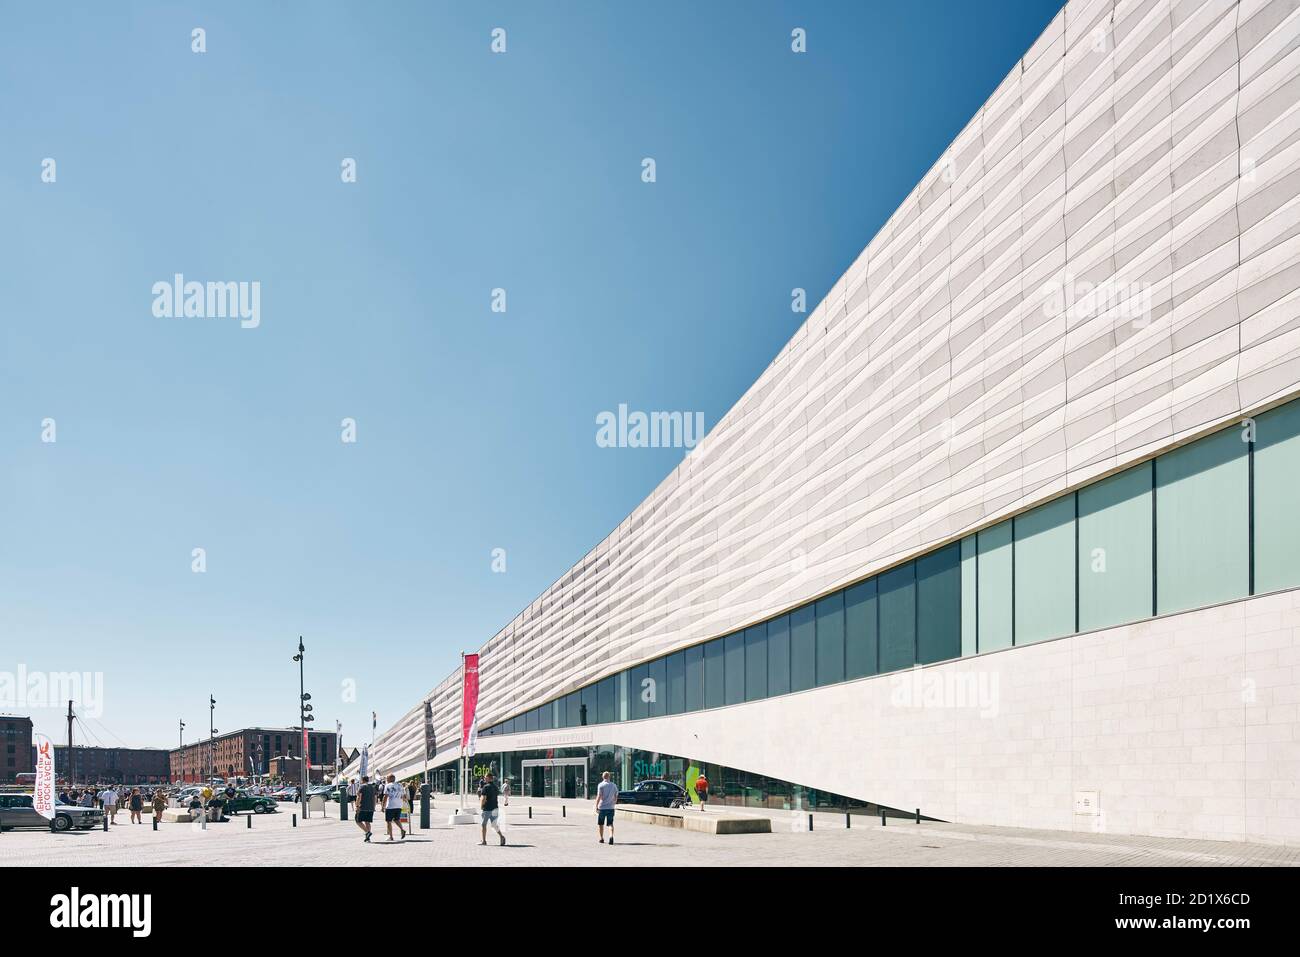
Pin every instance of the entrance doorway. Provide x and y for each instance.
(555, 777)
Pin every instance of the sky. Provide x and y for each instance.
(130, 439)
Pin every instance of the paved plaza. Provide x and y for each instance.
(553, 837)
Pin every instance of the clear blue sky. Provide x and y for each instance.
(476, 430)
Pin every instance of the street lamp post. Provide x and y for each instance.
(180, 750)
(212, 710)
(304, 716)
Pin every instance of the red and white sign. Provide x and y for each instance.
(43, 799)
(469, 706)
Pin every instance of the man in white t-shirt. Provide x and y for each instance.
(606, 798)
(109, 797)
(393, 807)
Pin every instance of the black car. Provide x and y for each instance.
(656, 794)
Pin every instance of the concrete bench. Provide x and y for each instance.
(705, 823)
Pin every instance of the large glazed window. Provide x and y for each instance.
(897, 597)
(636, 685)
(995, 587)
(938, 605)
(1115, 550)
(1044, 564)
(830, 639)
(657, 706)
(1277, 499)
(860, 629)
(733, 650)
(1202, 529)
(715, 685)
(694, 678)
(756, 662)
(969, 602)
(607, 700)
(803, 648)
(778, 655)
(677, 682)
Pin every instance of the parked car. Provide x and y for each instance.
(247, 801)
(656, 794)
(17, 810)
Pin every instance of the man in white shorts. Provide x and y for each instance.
(393, 807)
(488, 812)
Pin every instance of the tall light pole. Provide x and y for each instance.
(212, 710)
(304, 715)
(180, 750)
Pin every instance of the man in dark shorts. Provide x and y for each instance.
(393, 807)
(487, 808)
(702, 789)
(606, 798)
(365, 806)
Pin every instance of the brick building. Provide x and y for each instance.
(116, 765)
(16, 753)
(249, 751)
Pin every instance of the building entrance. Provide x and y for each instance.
(555, 777)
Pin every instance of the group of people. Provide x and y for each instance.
(211, 802)
(111, 800)
(364, 796)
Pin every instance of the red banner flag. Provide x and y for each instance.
(469, 706)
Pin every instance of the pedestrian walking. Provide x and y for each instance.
(488, 811)
(365, 806)
(136, 805)
(159, 805)
(702, 789)
(606, 798)
(109, 797)
(505, 790)
(393, 807)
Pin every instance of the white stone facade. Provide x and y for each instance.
(1148, 147)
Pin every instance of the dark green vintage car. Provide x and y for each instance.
(243, 801)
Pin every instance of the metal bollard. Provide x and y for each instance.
(562, 814)
(848, 821)
(105, 823)
(530, 812)
(918, 815)
(155, 824)
(295, 820)
(249, 819)
(810, 822)
(882, 817)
